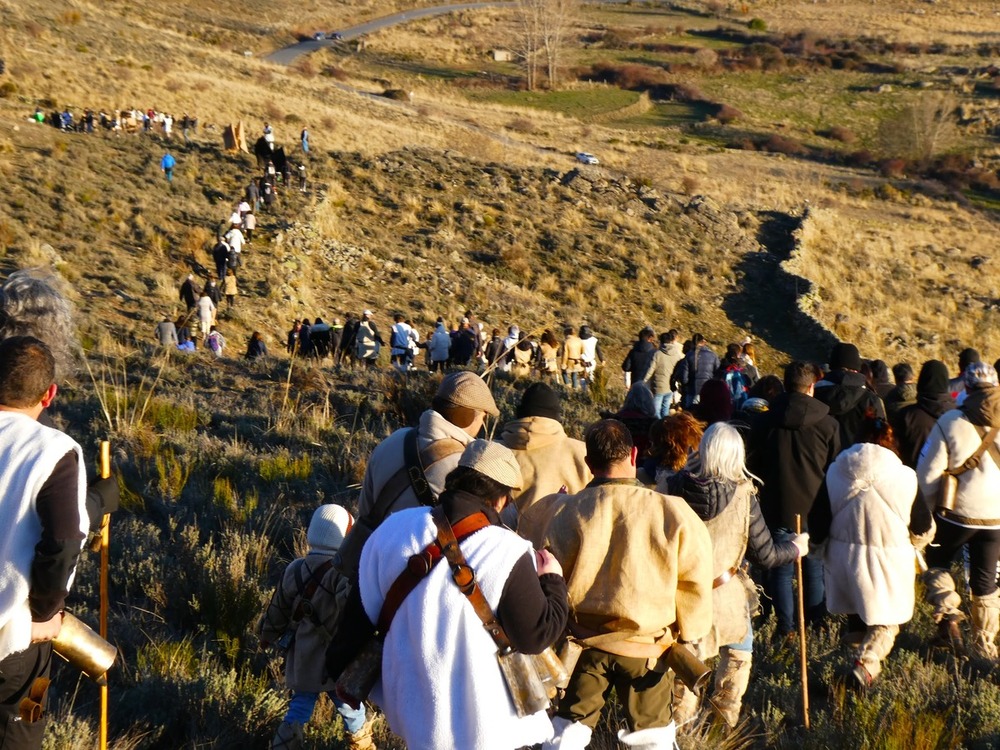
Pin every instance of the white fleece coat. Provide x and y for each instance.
(869, 561)
(951, 442)
(29, 452)
(441, 686)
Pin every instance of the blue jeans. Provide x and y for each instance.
(661, 404)
(780, 589)
(747, 643)
(300, 711)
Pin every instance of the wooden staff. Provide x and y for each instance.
(105, 539)
(802, 630)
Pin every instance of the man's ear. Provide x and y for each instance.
(49, 396)
(634, 455)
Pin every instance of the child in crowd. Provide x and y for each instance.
(303, 611)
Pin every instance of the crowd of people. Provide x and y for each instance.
(202, 300)
(128, 120)
(860, 475)
(841, 467)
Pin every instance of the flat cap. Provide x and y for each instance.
(467, 389)
(493, 460)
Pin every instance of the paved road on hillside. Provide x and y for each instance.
(290, 54)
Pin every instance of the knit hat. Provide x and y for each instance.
(540, 400)
(845, 357)
(933, 379)
(467, 389)
(327, 529)
(980, 375)
(493, 460)
(755, 406)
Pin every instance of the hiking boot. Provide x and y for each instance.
(949, 635)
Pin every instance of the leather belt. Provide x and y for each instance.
(725, 577)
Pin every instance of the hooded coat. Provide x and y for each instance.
(800, 440)
(638, 359)
(845, 393)
(696, 369)
(548, 458)
(868, 562)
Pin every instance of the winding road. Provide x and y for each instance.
(291, 53)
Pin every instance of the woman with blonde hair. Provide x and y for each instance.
(722, 493)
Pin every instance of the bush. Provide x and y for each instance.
(780, 144)
(757, 24)
(842, 134)
(726, 114)
(7, 89)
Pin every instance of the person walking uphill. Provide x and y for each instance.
(661, 370)
(167, 164)
(42, 503)
(628, 613)
(441, 685)
(722, 494)
(843, 390)
(873, 517)
(549, 459)
(636, 362)
(972, 516)
(697, 368)
(797, 440)
(305, 608)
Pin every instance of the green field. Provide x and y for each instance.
(576, 103)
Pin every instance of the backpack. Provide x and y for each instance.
(739, 385)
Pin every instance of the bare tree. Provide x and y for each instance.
(922, 130)
(527, 37)
(557, 18)
(540, 30)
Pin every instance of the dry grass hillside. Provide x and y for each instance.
(468, 197)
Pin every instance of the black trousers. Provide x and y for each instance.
(17, 673)
(984, 551)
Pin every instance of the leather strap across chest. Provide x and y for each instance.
(419, 567)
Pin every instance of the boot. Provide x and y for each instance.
(362, 739)
(985, 624)
(568, 735)
(656, 738)
(731, 679)
(942, 595)
(288, 737)
(874, 647)
(949, 634)
(685, 704)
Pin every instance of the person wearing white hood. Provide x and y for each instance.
(513, 336)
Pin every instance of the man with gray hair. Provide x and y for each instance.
(31, 304)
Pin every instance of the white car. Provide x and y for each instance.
(584, 158)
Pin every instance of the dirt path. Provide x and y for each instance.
(766, 300)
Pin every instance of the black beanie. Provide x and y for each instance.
(845, 357)
(966, 357)
(540, 400)
(933, 380)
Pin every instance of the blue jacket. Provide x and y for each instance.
(167, 162)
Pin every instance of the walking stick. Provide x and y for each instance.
(105, 539)
(802, 631)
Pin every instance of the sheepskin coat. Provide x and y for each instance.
(869, 561)
(549, 459)
(636, 563)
